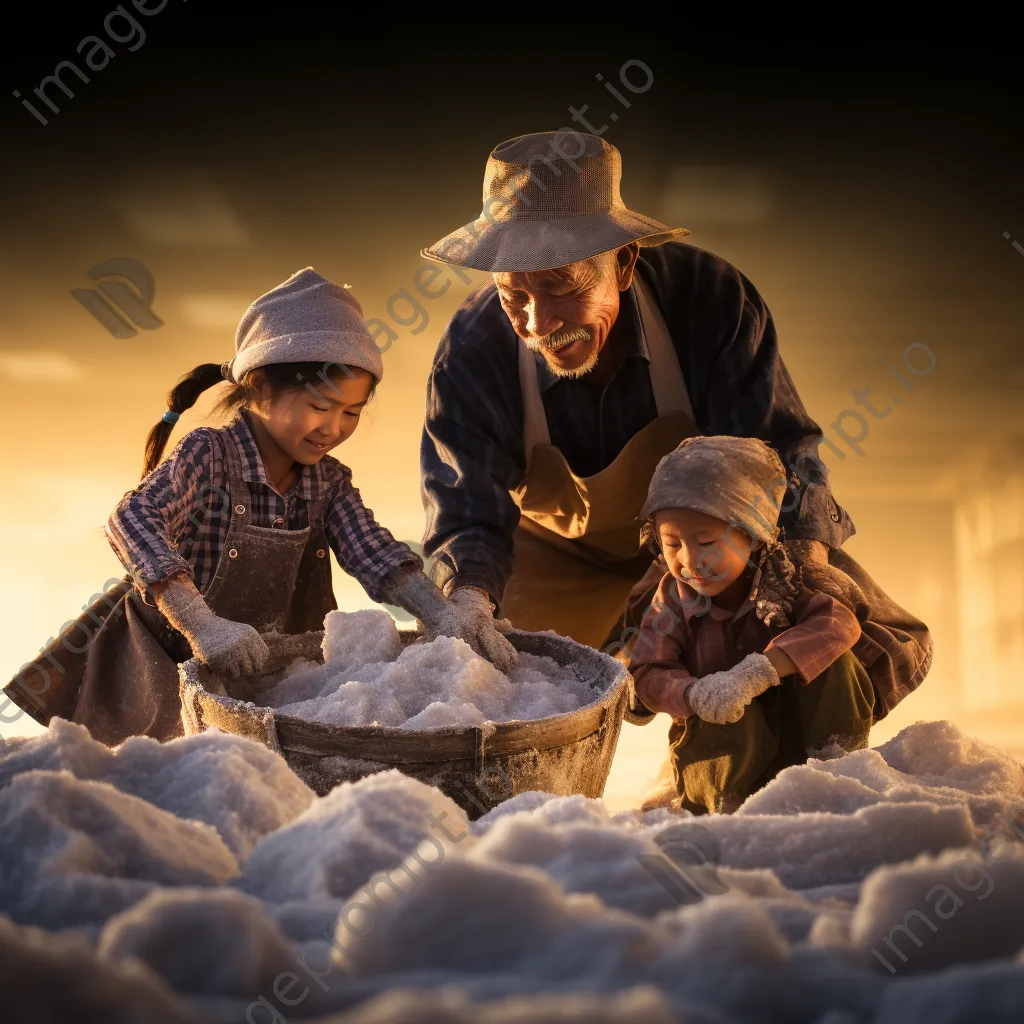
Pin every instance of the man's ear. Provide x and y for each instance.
(625, 261)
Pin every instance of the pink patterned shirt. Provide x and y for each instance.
(683, 636)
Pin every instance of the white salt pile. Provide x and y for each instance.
(199, 882)
(367, 679)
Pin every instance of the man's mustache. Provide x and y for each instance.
(559, 339)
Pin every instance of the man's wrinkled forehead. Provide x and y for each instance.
(544, 280)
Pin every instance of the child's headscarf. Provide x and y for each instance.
(742, 481)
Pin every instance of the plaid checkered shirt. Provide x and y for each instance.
(176, 519)
(684, 636)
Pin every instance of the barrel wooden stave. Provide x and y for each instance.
(565, 754)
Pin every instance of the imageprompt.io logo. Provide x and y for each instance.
(687, 866)
(123, 303)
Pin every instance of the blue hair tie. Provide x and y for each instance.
(170, 417)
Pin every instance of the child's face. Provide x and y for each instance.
(705, 552)
(307, 424)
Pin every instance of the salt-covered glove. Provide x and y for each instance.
(722, 697)
(468, 614)
(233, 648)
(478, 627)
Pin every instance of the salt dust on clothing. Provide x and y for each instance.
(368, 679)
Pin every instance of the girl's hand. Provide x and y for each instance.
(233, 648)
(722, 697)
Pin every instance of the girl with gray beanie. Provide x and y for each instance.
(752, 661)
(228, 538)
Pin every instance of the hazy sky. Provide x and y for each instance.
(865, 191)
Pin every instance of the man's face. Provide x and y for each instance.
(566, 313)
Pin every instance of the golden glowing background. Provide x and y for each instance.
(867, 204)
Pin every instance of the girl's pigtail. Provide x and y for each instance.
(182, 396)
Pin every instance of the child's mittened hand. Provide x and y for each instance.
(722, 697)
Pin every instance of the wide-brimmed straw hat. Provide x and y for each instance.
(549, 199)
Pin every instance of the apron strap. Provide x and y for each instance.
(670, 394)
(316, 507)
(535, 420)
(237, 487)
(667, 381)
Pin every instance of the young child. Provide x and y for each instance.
(754, 668)
(227, 539)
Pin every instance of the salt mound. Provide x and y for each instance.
(880, 897)
(240, 788)
(345, 837)
(944, 910)
(992, 993)
(76, 853)
(354, 639)
(580, 856)
(426, 686)
(811, 850)
(931, 764)
(519, 914)
(214, 943)
(59, 978)
(642, 1003)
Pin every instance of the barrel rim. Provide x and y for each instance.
(447, 743)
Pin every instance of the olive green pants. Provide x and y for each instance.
(718, 766)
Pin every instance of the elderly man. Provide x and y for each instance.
(602, 342)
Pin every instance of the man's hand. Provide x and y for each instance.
(468, 614)
(471, 617)
(722, 697)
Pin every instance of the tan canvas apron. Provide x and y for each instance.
(115, 670)
(577, 565)
(577, 547)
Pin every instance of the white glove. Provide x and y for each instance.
(722, 697)
(468, 614)
(471, 617)
(233, 648)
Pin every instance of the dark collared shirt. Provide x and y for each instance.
(177, 519)
(472, 454)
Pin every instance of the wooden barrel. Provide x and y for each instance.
(565, 754)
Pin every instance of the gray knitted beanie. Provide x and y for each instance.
(307, 319)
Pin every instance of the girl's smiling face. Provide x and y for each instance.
(307, 422)
(707, 553)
